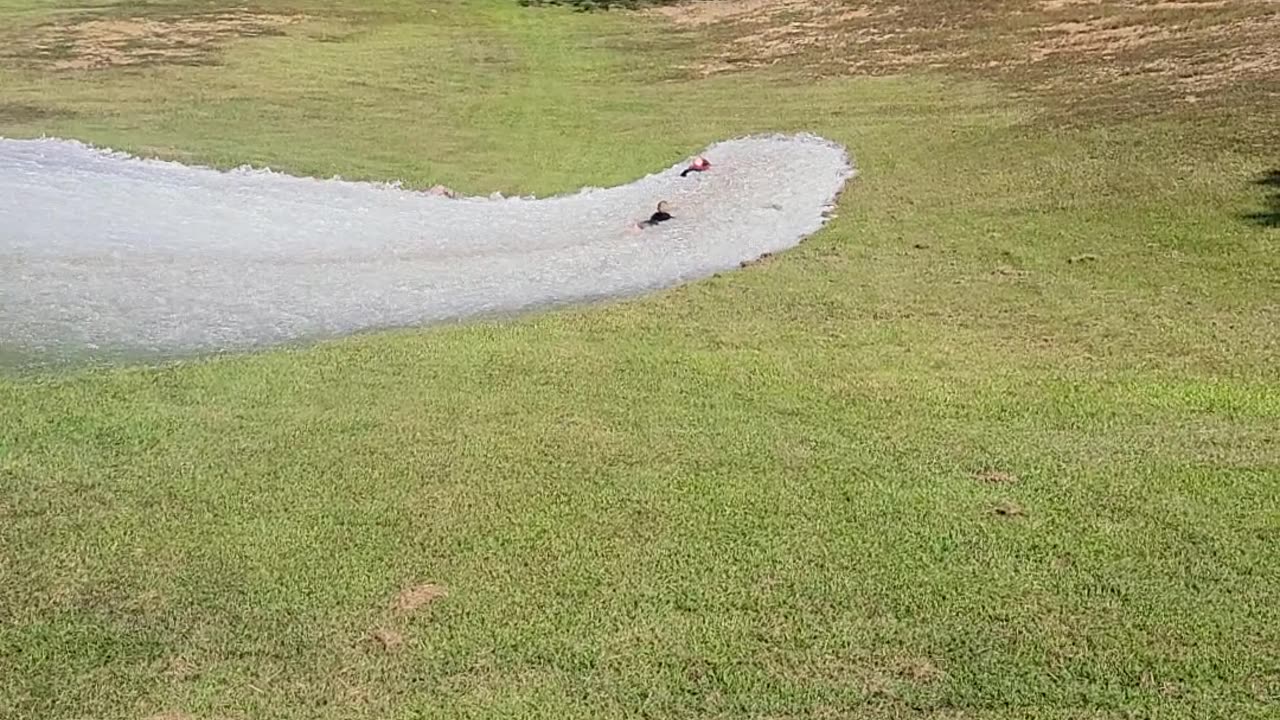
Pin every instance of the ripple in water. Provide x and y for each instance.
(104, 256)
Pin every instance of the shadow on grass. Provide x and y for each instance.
(1271, 216)
(17, 113)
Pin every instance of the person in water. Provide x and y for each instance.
(660, 216)
(699, 164)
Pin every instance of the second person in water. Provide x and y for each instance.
(660, 216)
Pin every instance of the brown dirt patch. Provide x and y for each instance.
(99, 43)
(1055, 5)
(1127, 57)
(698, 14)
(411, 599)
(759, 33)
(1192, 4)
(1101, 36)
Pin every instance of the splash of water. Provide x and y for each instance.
(106, 256)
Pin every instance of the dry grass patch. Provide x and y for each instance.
(1100, 36)
(387, 638)
(1127, 57)
(411, 599)
(99, 43)
(991, 476)
(698, 14)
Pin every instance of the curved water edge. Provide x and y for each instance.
(107, 257)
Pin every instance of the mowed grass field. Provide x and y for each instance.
(1003, 441)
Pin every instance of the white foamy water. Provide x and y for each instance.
(106, 256)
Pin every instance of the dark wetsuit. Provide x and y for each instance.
(656, 218)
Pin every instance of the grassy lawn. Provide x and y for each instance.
(1000, 442)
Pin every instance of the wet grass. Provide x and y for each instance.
(998, 443)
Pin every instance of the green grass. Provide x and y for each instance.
(770, 494)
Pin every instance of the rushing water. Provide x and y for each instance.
(106, 256)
